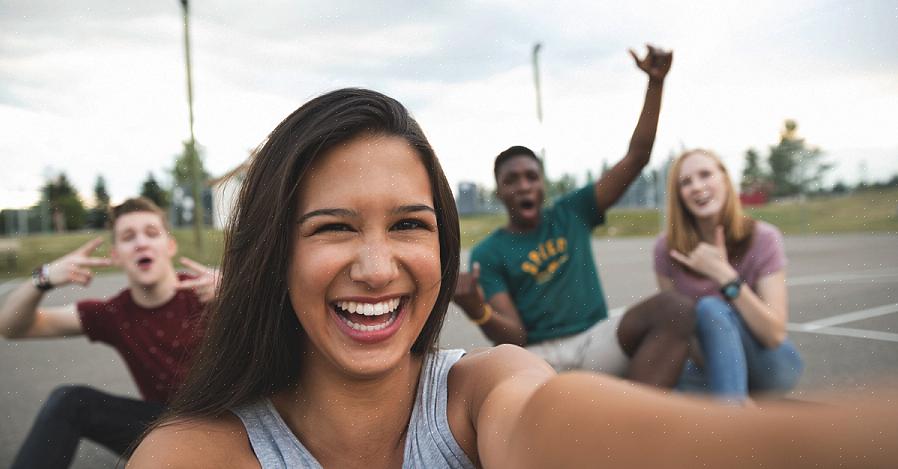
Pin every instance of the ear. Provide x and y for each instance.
(113, 254)
(172, 245)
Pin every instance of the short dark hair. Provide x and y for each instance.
(136, 204)
(252, 346)
(511, 152)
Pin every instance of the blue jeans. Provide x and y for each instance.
(735, 362)
(74, 412)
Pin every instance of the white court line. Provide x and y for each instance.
(850, 317)
(842, 277)
(845, 332)
(9, 285)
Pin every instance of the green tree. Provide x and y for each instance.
(795, 167)
(99, 214)
(153, 191)
(66, 208)
(181, 171)
(753, 176)
(561, 186)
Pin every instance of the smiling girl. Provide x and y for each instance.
(321, 349)
(735, 268)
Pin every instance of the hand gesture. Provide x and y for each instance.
(205, 281)
(709, 260)
(656, 62)
(468, 294)
(75, 266)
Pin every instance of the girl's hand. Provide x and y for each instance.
(709, 260)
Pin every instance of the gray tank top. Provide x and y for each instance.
(428, 444)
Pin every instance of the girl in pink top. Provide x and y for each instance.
(735, 267)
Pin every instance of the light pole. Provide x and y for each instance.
(539, 102)
(191, 145)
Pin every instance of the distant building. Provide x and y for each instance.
(224, 194)
(467, 198)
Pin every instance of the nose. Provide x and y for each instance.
(141, 241)
(375, 264)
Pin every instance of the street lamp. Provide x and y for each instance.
(539, 102)
(191, 145)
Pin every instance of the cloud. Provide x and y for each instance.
(98, 87)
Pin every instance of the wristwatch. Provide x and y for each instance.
(40, 277)
(730, 290)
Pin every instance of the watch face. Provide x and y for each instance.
(731, 290)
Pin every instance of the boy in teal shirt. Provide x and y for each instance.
(534, 283)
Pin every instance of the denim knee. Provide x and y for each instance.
(781, 370)
(713, 310)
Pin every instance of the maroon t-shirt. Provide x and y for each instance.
(155, 343)
(765, 255)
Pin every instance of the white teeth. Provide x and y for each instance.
(369, 309)
(364, 328)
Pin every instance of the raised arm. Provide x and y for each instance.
(612, 185)
(20, 316)
(498, 319)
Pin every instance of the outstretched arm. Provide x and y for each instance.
(612, 185)
(20, 316)
(579, 419)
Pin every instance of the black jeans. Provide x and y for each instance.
(72, 412)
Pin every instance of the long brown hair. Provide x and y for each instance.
(252, 341)
(682, 228)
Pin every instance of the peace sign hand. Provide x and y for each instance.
(656, 62)
(205, 281)
(75, 266)
(709, 260)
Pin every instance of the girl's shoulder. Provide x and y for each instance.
(763, 228)
(765, 234)
(196, 442)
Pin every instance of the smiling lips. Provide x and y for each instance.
(363, 319)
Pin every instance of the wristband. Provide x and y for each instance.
(487, 314)
(40, 277)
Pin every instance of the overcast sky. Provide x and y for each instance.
(94, 87)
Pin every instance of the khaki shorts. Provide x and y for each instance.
(595, 349)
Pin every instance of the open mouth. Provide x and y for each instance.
(144, 262)
(369, 317)
(527, 204)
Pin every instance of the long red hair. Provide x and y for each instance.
(682, 228)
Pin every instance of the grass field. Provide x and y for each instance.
(870, 211)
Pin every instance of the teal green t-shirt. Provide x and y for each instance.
(549, 272)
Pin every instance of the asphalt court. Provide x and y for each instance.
(843, 298)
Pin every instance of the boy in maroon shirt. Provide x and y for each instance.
(153, 324)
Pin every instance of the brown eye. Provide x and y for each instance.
(332, 227)
(410, 224)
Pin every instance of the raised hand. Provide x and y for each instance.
(709, 260)
(205, 281)
(75, 267)
(468, 294)
(656, 62)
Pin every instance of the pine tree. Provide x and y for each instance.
(151, 190)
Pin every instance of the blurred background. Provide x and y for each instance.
(103, 100)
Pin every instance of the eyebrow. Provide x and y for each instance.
(342, 212)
